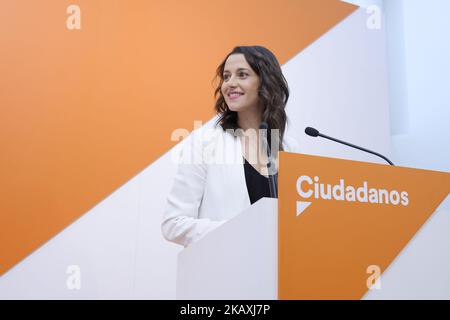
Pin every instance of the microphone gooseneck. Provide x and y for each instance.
(315, 133)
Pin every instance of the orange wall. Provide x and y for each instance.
(83, 111)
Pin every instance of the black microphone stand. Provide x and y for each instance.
(273, 188)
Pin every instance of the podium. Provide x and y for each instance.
(338, 230)
(228, 264)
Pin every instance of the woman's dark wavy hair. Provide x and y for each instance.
(273, 90)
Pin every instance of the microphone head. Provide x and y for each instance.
(311, 132)
(264, 126)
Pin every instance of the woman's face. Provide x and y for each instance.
(240, 84)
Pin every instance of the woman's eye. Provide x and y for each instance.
(241, 75)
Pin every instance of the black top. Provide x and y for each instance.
(257, 184)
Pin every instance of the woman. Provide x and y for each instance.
(207, 193)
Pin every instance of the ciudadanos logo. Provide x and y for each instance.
(312, 188)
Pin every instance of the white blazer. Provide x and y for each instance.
(209, 186)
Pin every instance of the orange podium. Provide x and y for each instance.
(340, 229)
(340, 221)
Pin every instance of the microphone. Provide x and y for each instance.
(272, 183)
(315, 133)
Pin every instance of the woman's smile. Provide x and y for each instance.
(234, 95)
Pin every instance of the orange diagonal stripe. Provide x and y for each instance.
(83, 111)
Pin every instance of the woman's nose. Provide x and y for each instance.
(231, 82)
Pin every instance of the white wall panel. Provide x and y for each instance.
(426, 142)
(339, 86)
